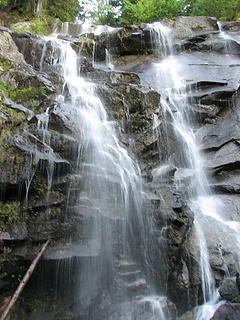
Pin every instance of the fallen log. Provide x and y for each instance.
(22, 284)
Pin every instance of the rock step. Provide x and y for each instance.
(130, 276)
(124, 266)
(136, 288)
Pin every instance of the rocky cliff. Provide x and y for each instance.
(40, 145)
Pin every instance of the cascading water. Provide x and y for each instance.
(113, 274)
(169, 81)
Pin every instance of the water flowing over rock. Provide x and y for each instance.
(122, 146)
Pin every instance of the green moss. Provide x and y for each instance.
(30, 97)
(221, 173)
(41, 26)
(10, 212)
(4, 65)
(14, 118)
(197, 27)
(208, 120)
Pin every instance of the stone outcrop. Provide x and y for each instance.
(229, 311)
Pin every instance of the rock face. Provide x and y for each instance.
(229, 290)
(229, 311)
(40, 145)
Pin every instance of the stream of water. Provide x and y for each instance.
(110, 202)
(206, 207)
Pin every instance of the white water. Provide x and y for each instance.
(206, 207)
(111, 185)
(110, 195)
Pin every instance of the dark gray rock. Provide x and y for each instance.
(29, 114)
(129, 40)
(227, 157)
(229, 289)
(229, 311)
(226, 181)
(233, 25)
(157, 306)
(185, 26)
(214, 136)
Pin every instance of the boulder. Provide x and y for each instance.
(229, 290)
(9, 51)
(149, 308)
(215, 136)
(185, 26)
(226, 157)
(230, 311)
(231, 25)
(129, 40)
(226, 181)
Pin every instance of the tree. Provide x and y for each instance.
(135, 12)
(104, 12)
(221, 9)
(64, 10)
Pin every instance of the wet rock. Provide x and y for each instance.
(158, 306)
(113, 77)
(230, 311)
(185, 26)
(60, 121)
(231, 25)
(217, 135)
(129, 40)
(66, 145)
(205, 113)
(221, 97)
(226, 181)
(9, 51)
(29, 114)
(229, 290)
(15, 232)
(211, 43)
(195, 42)
(228, 157)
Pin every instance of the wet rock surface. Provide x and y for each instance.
(229, 290)
(229, 311)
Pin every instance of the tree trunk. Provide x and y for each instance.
(22, 284)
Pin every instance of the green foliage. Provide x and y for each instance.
(221, 173)
(23, 96)
(9, 212)
(208, 120)
(105, 13)
(4, 65)
(135, 12)
(221, 9)
(41, 26)
(26, 95)
(63, 10)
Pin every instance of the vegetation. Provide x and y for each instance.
(221, 173)
(149, 10)
(221, 9)
(9, 212)
(138, 11)
(4, 65)
(117, 12)
(64, 10)
(30, 97)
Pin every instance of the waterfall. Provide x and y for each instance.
(115, 281)
(169, 80)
